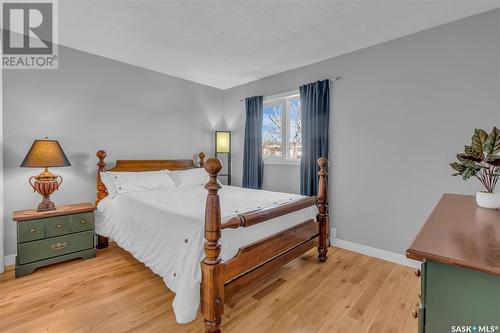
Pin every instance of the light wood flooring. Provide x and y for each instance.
(116, 293)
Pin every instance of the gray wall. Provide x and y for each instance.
(93, 103)
(399, 115)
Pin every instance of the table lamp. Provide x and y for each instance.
(44, 154)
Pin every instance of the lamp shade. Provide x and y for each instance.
(45, 153)
(222, 142)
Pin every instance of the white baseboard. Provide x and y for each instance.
(9, 260)
(374, 252)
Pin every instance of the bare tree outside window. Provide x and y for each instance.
(295, 116)
(272, 130)
(281, 129)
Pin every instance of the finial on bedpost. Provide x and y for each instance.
(322, 203)
(101, 154)
(212, 283)
(201, 155)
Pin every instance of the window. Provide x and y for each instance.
(281, 140)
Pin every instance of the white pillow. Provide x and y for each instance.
(123, 182)
(196, 176)
(107, 179)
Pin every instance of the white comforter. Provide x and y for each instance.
(164, 230)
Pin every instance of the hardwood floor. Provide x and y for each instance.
(116, 293)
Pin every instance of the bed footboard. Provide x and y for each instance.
(221, 280)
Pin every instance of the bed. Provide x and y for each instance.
(238, 235)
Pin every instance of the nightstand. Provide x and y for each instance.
(50, 237)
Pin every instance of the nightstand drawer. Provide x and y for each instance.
(30, 230)
(53, 247)
(57, 226)
(82, 222)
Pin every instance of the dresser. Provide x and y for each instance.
(50, 237)
(459, 247)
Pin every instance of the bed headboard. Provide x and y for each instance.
(140, 165)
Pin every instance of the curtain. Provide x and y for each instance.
(315, 106)
(253, 166)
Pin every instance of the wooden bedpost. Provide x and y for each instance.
(101, 165)
(102, 242)
(212, 281)
(322, 203)
(201, 155)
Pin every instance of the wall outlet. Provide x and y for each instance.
(334, 233)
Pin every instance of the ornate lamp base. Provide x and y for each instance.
(46, 204)
(45, 184)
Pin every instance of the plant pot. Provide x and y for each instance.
(488, 200)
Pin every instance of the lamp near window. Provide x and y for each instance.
(223, 147)
(44, 154)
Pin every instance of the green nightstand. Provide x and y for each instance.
(50, 237)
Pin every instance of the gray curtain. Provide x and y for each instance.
(315, 106)
(253, 166)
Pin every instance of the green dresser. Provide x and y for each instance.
(456, 299)
(460, 271)
(51, 237)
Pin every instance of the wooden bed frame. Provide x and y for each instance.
(221, 280)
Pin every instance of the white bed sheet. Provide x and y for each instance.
(164, 230)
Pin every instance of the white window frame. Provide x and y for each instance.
(285, 120)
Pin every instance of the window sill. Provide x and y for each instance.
(282, 162)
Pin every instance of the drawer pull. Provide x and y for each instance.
(83, 222)
(59, 226)
(59, 246)
(417, 272)
(32, 230)
(414, 314)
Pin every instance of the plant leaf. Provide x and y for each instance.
(469, 172)
(462, 159)
(493, 160)
(472, 154)
(458, 167)
(479, 139)
(492, 144)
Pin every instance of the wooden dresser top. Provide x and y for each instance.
(71, 209)
(460, 233)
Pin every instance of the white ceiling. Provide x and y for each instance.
(224, 44)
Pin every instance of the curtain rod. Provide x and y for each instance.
(336, 78)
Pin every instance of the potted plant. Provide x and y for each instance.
(482, 160)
